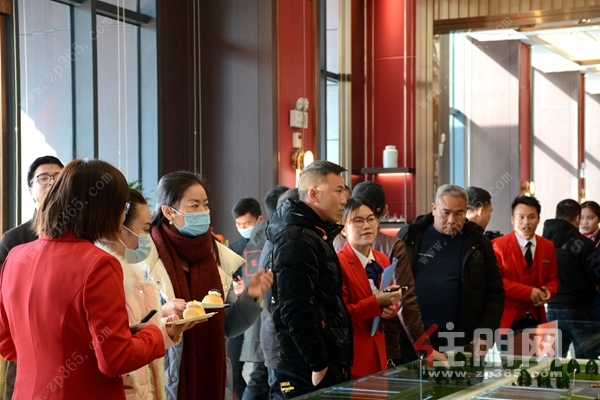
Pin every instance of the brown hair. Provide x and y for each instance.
(87, 200)
(135, 198)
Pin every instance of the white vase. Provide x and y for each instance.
(390, 157)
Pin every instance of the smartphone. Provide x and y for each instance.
(395, 289)
(147, 317)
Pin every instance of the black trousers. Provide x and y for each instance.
(234, 351)
(297, 380)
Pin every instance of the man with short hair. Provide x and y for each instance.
(313, 325)
(246, 214)
(576, 294)
(480, 207)
(257, 387)
(41, 175)
(527, 263)
(454, 266)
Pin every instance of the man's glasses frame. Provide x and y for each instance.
(44, 178)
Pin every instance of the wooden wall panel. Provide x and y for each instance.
(483, 7)
(463, 8)
(451, 9)
(6, 7)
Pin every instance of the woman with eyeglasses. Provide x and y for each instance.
(62, 305)
(132, 249)
(362, 267)
(590, 228)
(187, 261)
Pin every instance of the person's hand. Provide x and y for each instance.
(388, 311)
(173, 306)
(536, 296)
(238, 286)
(385, 298)
(545, 295)
(260, 284)
(479, 348)
(437, 356)
(317, 377)
(175, 331)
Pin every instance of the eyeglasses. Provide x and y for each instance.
(127, 206)
(359, 222)
(44, 178)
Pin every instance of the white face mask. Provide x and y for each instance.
(143, 250)
(245, 232)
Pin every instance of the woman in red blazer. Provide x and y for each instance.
(62, 304)
(360, 293)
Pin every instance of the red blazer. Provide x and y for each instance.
(63, 319)
(369, 351)
(511, 263)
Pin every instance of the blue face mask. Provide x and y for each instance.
(143, 250)
(196, 224)
(245, 232)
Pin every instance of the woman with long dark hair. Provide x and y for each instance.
(187, 263)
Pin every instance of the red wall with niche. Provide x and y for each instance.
(296, 78)
(389, 99)
(383, 89)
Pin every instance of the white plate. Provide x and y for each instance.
(212, 305)
(198, 318)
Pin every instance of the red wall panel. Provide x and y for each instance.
(296, 71)
(389, 97)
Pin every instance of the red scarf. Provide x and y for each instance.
(592, 236)
(203, 368)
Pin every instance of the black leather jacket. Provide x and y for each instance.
(312, 322)
(482, 300)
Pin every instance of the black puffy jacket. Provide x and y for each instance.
(312, 322)
(577, 262)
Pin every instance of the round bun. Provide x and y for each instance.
(213, 297)
(193, 309)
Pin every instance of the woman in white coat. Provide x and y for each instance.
(186, 262)
(142, 296)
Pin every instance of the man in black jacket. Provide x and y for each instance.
(574, 301)
(454, 265)
(313, 325)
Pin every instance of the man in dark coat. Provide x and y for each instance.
(454, 266)
(313, 326)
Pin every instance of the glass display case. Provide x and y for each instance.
(531, 368)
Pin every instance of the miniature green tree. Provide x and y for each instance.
(439, 374)
(548, 381)
(556, 365)
(572, 366)
(591, 368)
(543, 380)
(563, 381)
(458, 370)
(524, 378)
